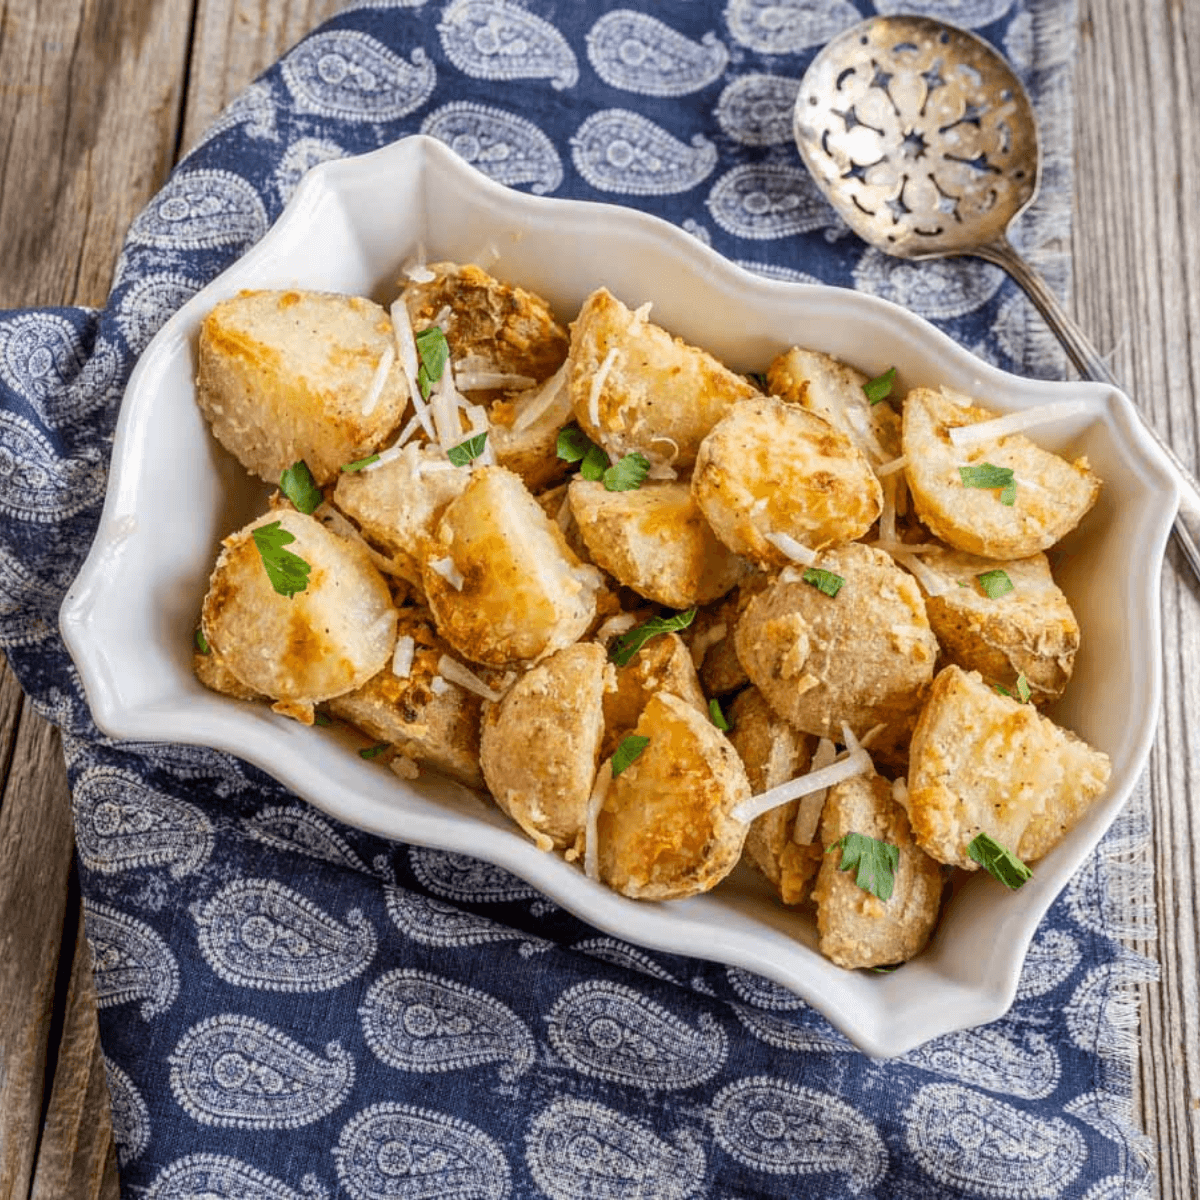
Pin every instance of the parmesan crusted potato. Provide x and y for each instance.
(773, 753)
(427, 719)
(710, 638)
(503, 585)
(984, 763)
(284, 376)
(1028, 631)
(540, 745)
(665, 829)
(861, 657)
(299, 650)
(1051, 494)
(212, 671)
(525, 427)
(654, 540)
(854, 927)
(635, 387)
(831, 389)
(770, 468)
(397, 505)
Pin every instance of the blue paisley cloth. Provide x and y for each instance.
(291, 1009)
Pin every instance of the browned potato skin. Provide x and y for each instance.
(282, 376)
(508, 326)
(665, 829)
(1030, 631)
(772, 753)
(656, 541)
(439, 731)
(771, 467)
(983, 763)
(213, 672)
(973, 519)
(854, 927)
(658, 386)
(541, 743)
(862, 657)
(663, 664)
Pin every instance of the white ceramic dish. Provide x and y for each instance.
(174, 493)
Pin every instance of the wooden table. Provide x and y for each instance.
(99, 98)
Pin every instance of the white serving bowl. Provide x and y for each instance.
(174, 493)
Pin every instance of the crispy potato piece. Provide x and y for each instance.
(861, 657)
(656, 541)
(398, 505)
(710, 638)
(530, 446)
(983, 763)
(663, 664)
(318, 643)
(831, 389)
(772, 753)
(490, 324)
(213, 672)
(656, 394)
(854, 927)
(1029, 631)
(437, 728)
(1052, 495)
(665, 829)
(523, 594)
(541, 743)
(770, 467)
(284, 375)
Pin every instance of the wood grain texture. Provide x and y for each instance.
(1136, 246)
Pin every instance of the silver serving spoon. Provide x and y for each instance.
(925, 142)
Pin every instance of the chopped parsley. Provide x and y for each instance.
(628, 474)
(299, 486)
(759, 379)
(717, 717)
(879, 388)
(464, 452)
(322, 719)
(628, 752)
(595, 463)
(986, 475)
(373, 751)
(359, 463)
(574, 446)
(1023, 692)
(202, 642)
(823, 581)
(628, 644)
(434, 352)
(287, 572)
(999, 862)
(877, 862)
(995, 583)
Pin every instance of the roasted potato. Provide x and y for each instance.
(525, 427)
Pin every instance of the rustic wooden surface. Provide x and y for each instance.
(98, 98)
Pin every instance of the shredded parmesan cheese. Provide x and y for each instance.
(384, 457)
(933, 583)
(615, 626)
(598, 381)
(900, 792)
(786, 544)
(887, 517)
(406, 348)
(402, 656)
(448, 571)
(378, 380)
(438, 686)
(858, 762)
(535, 403)
(405, 767)
(903, 547)
(808, 814)
(338, 524)
(641, 315)
(591, 851)
(455, 672)
(487, 381)
(890, 468)
(702, 643)
(446, 403)
(562, 518)
(998, 427)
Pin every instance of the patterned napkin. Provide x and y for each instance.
(291, 1008)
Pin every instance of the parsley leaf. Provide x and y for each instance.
(823, 581)
(373, 751)
(1023, 690)
(572, 443)
(628, 474)
(877, 862)
(462, 454)
(287, 572)
(759, 379)
(434, 352)
(595, 463)
(322, 720)
(717, 717)
(298, 485)
(995, 583)
(880, 388)
(628, 644)
(1000, 863)
(628, 752)
(359, 463)
(202, 642)
(988, 476)
(1008, 495)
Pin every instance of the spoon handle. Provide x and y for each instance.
(1091, 366)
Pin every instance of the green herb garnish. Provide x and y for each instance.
(1023, 691)
(628, 752)
(574, 446)
(464, 452)
(995, 583)
(877, 862)
(595, 463)
(298, 485)
(759, 379)
(998, 862)
(202, 642)
(434, 352)
(988, 476)
(359, 463)
(880, 388)
(287, 572)
(717, 716)
(628, 644)
(322, 720)
(373, 751)
(628, 474)
(823, 581)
